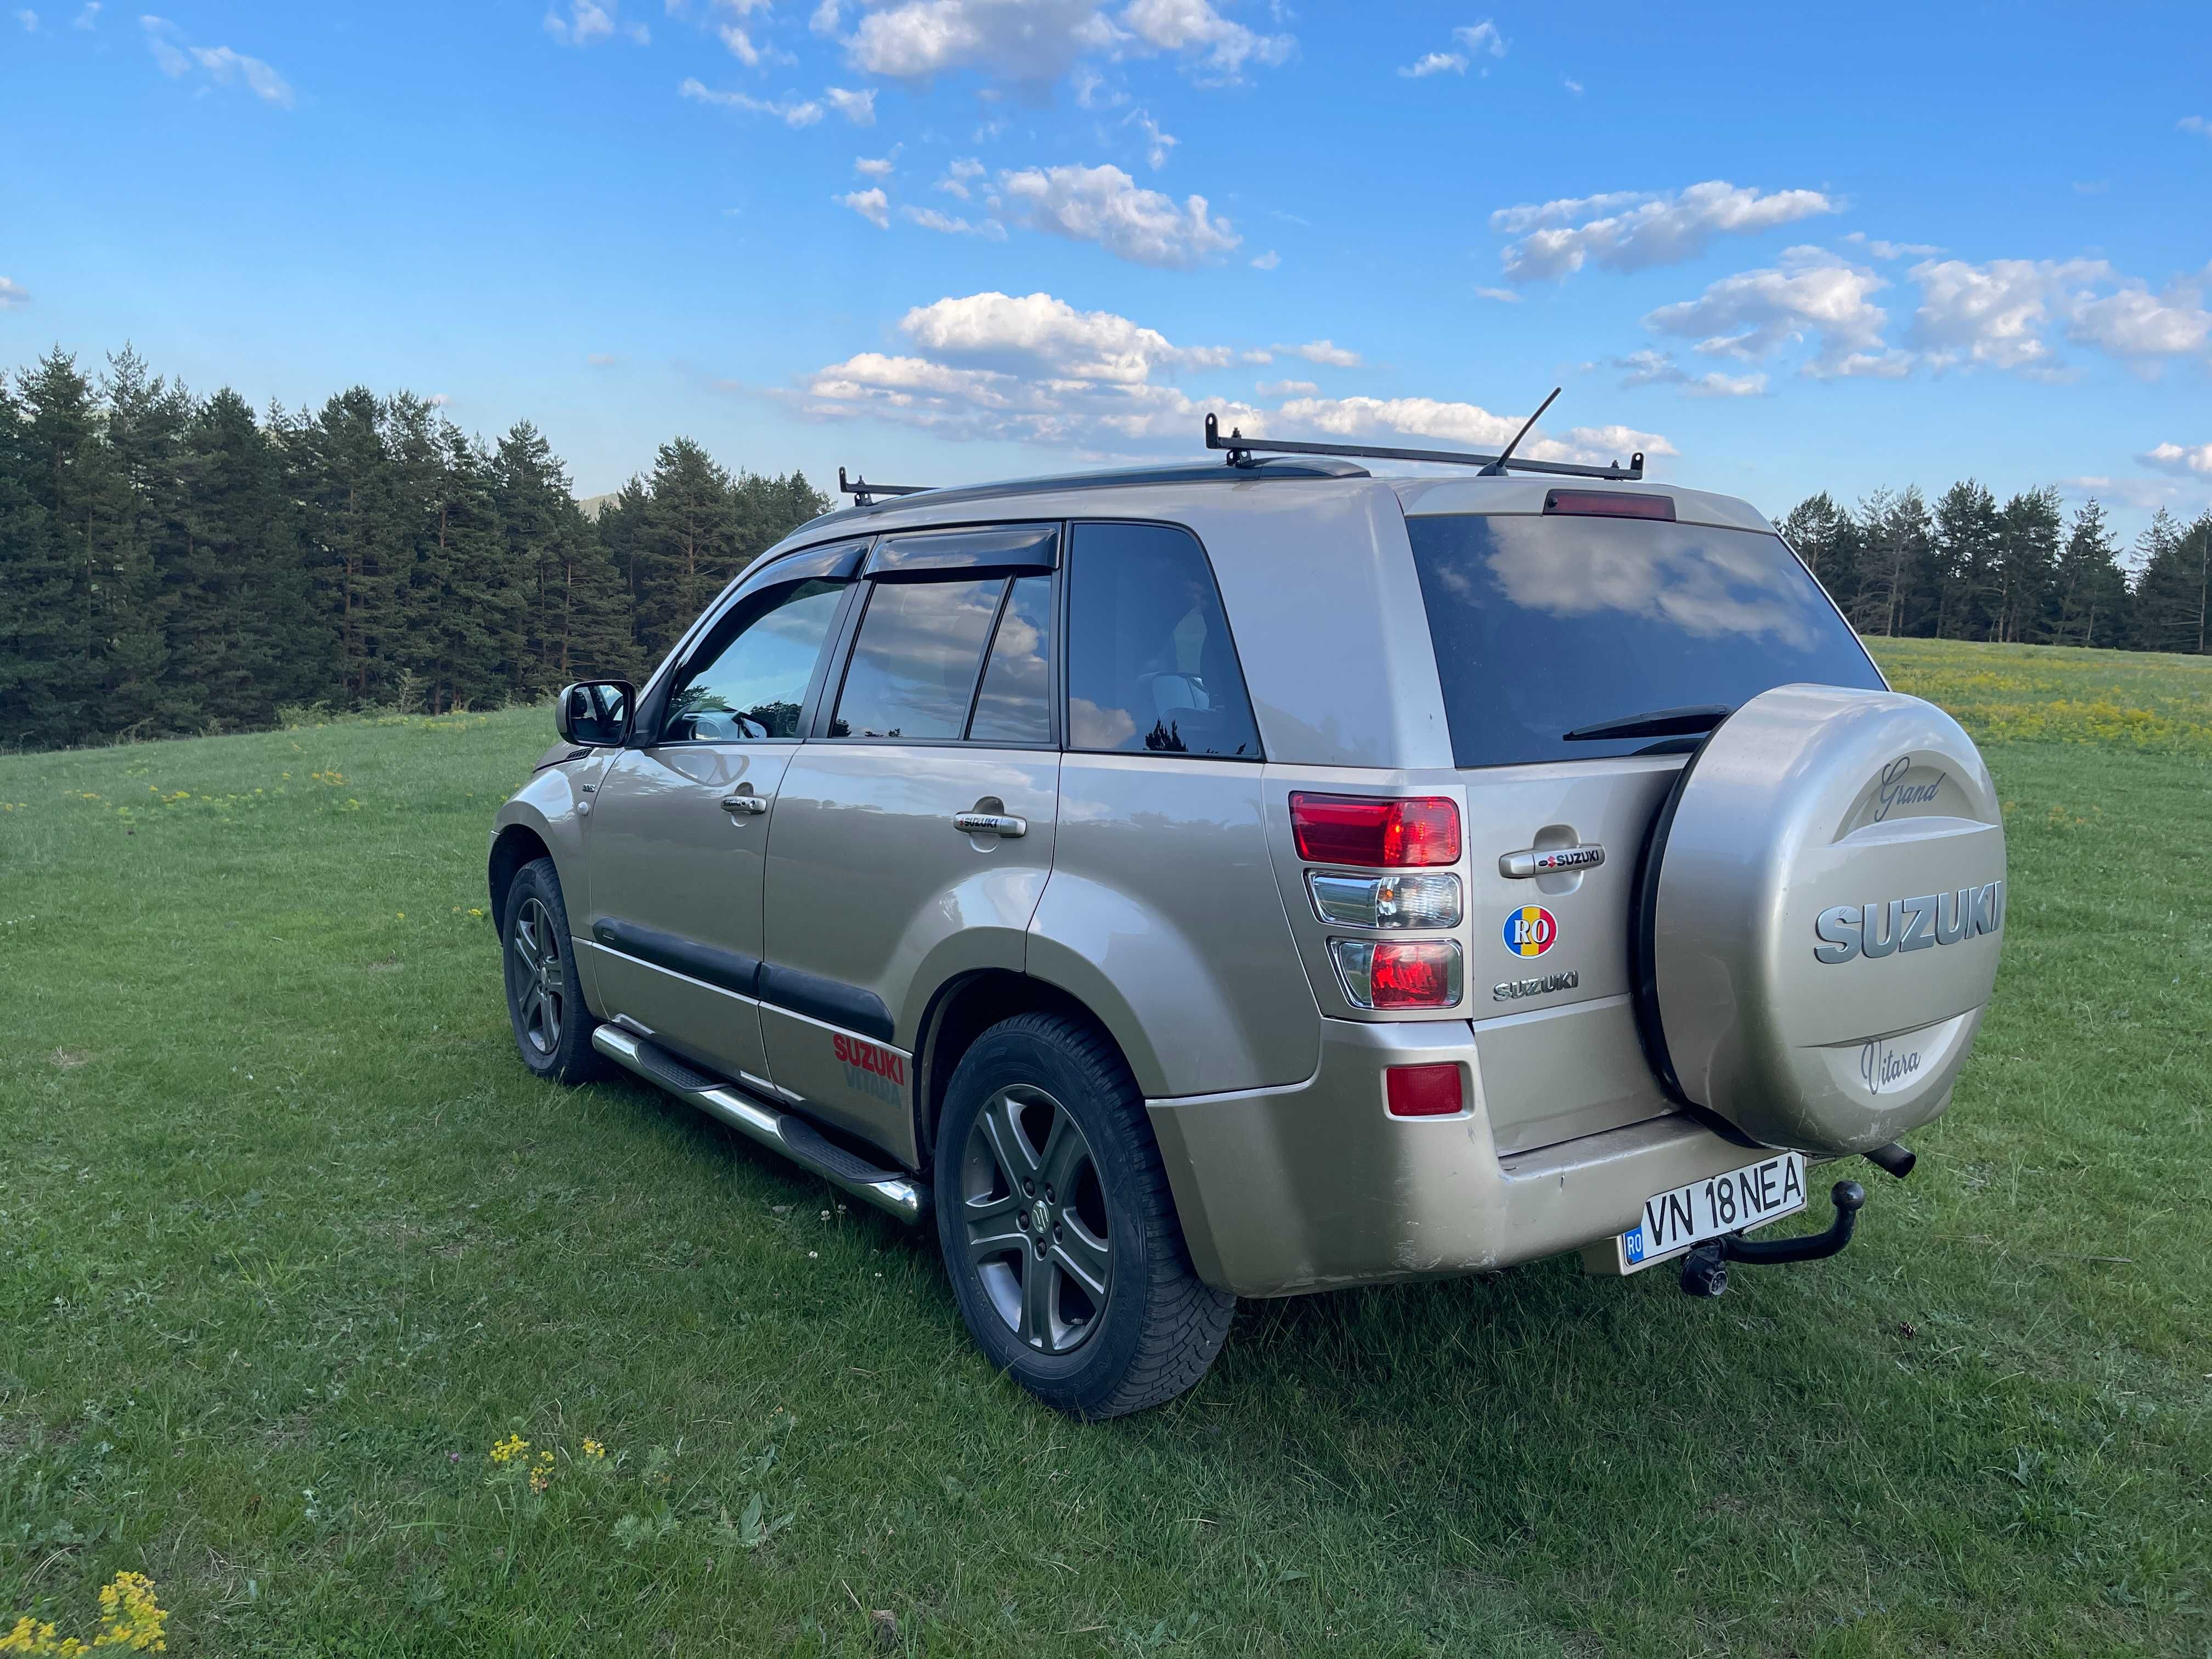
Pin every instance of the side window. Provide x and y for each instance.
(914, 667)
(1015, 703)
(747, 680)
(1150, 665)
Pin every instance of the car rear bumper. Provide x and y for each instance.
(1314, 1185)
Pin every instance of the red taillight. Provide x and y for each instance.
(1413, 974)
(1375, 831)
(1423, 1090)
(1609, 504)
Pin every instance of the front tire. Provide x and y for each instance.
(1058, 1229)
(544, 1004)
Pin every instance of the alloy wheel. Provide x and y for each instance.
(538, 976)
(1033, 1216)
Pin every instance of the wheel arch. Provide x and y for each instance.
(961, 1010)
(514, 846)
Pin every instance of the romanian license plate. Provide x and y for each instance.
(1731, 1203)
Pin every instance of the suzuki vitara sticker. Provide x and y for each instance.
(1531, 931)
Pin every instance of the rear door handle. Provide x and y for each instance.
(990, 823)
(1550, 860)
(754, 803)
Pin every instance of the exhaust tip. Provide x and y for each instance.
(1892, 1158)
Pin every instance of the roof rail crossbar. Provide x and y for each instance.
(864, 493)
(1242, 450)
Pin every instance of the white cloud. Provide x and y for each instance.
(588, 21)
(13, 295)
(29, 20)
(601, 359)
(89, 17)
(930, 219)
(1105, 205)
(1810, 293)
(1267, 261)
(1999, 314)
(1030, 41)
(1034, 368)
(1575, 87)
(1323, 351)
(439, 399)
(2178, 458)
(2195, 124)
(958, 174)
(222, 64)
(1474, 41)
(1157, 144)
(826, 17)
(871, 204)
(1506, 294)
(858, 107)
(739, 41)
(794, 113)
(1435, 63)
(1882, 250)
(1634, 230)
(1196, 29)
(1479, 38)
(876, 167)
(1648, 367)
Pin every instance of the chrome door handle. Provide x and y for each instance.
(754, 803)
(1550, 860)
(990, 823)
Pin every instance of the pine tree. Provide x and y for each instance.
(2093, 590)
(64, 473)
(41, 649)
(1968, 538)
(348, 488)
(1827, 540)
(2028, 558)
(2174, 586)
(688, 547)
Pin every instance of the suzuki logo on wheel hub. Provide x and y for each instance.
(1531, 931)
(1040, 1216)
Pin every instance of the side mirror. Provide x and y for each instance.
(594, 712)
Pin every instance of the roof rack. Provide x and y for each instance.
(1242, 450)
(864, 493)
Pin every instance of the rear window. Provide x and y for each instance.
(1546, 624)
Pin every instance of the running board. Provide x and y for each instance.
(775, 1128)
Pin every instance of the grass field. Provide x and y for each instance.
(292, 1243)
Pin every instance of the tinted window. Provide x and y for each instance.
(1015, 704)
(914, 665)
(1543, 624)
(746, 682)
(1150, 665)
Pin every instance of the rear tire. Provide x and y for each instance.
(1058, 1229)
(544, 1004)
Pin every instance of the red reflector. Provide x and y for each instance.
(1422, 1091)
(1413, 974)
(1375, 831)
(1609, 504)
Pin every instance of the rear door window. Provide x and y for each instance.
(1150, 668)
(1545, 624)
(1014, 704)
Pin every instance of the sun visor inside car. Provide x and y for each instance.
(1029, 547)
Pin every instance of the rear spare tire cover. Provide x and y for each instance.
(1824, 899)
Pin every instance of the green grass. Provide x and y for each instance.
(291, 1241)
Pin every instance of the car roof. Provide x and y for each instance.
(1418, 496)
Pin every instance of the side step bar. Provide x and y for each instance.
(774, 1127)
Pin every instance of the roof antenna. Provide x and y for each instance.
(1496, 468)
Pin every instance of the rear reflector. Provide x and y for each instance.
(1423, 1090)
(1609, 504)
(1398, 973)
(1376, 831)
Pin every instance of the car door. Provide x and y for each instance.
(913, 831)
(675, 846)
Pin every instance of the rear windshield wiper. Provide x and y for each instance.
(1657, 723)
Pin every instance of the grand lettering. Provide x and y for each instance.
(1883, 928)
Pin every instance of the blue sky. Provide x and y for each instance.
(948, 240)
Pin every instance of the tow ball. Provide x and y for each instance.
(1705, 1270)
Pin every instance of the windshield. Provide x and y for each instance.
(1549, 624)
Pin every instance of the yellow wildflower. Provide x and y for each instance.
(594, 1448)
(509, 1449)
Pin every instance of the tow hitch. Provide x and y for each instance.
(1705, 1270)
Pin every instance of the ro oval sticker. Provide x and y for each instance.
(1531, 931)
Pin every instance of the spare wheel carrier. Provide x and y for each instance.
(1818, 911)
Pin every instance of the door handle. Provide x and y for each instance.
(1550, 860)
(753, 804)
(990, 823)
